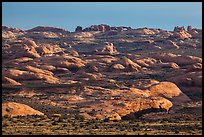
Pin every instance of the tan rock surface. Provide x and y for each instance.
(17, 109)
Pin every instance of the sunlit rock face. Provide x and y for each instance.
(17, 109)
(102, 71)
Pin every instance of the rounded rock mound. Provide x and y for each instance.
(17, 109)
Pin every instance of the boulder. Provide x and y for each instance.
(117, 68)
(166, 89)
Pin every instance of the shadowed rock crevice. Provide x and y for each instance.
(138, 114)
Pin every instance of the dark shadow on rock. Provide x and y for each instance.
(138, 114)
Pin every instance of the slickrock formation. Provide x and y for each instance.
(178, 59)
(101, 71)
(117, 68)
(16, 109)
(139, 102)
(6, 80)
(190, 83)
(167, 89)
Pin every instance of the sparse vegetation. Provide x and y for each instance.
(99, 127)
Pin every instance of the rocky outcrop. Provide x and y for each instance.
(102, 27)
(194, 67)
(193, 31)
(15, 30)
(17, 109)
(9, 81)
(122, 83)
(190, 83)
(145, 62)
(117, 68)
(20, 75)
(166, 89)
(180, 32)
(129, 64)
(178, 59)
(190, 28)
(108, 49)
(78, 29)
(46, 28)
(21, 48)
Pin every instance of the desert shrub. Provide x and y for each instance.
(80, 118)
(8, 117)
(106, 120)
(55, 123)
(60, 119)
(38, 124)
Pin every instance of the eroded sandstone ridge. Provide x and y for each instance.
(100, 71)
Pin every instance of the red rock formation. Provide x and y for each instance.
(16, 109)
(6, 80)
(180, 32)
(178, 59)
(109, 48)
(106, 28)
(193, 31)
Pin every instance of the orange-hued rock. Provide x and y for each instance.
(23, 50)
(27, 75)
(117, 68)
(16, 109)
(170, 65)
(17, 61)
(108, 49)
(43, 50)
(102, 71)
(18, 74)
(114, 117)
(140, 105)
(6, 80)
(29, 43)
(37, 70)
(165, 65)
(180, 32)
(128, 64)
(145, 62)
(178, 59)
(166, 89)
